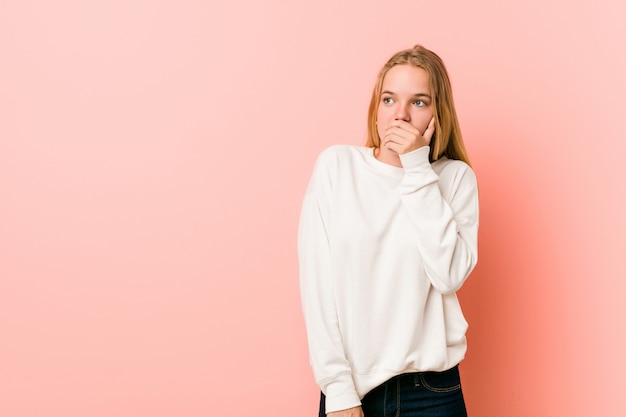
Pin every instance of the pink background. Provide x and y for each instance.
(154, 154)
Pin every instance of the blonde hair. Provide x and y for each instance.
(447, 140)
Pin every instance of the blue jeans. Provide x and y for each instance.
(420, 394)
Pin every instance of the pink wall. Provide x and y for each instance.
(153, 156)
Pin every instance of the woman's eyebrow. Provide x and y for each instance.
(421, 95)
(414, 95)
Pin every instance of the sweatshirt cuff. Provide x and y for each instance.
(341, 394)
(418, 172)
(416, 160)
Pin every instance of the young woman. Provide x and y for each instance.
(388, 234)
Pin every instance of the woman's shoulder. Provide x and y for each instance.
(453, 171)
(445, 164)
(343, 150)
(343, 153)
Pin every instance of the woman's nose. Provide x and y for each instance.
(402, 113)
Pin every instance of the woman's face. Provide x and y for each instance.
(405, 96)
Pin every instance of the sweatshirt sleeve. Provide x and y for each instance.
(446, 225)
(332, 370)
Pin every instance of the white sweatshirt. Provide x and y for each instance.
(382, 251)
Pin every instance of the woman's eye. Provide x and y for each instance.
(387, 100)
(419, 103)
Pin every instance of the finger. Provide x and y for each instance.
(403, 125)
(395, 141)
(402, 133)
(390, 142)
(430, 130)
(396, 144)
(393, 147)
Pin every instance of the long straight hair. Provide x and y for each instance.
(447, 140)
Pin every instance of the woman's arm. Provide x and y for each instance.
(446, 224)
(332, 370)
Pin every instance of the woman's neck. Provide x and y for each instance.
(387, 156)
